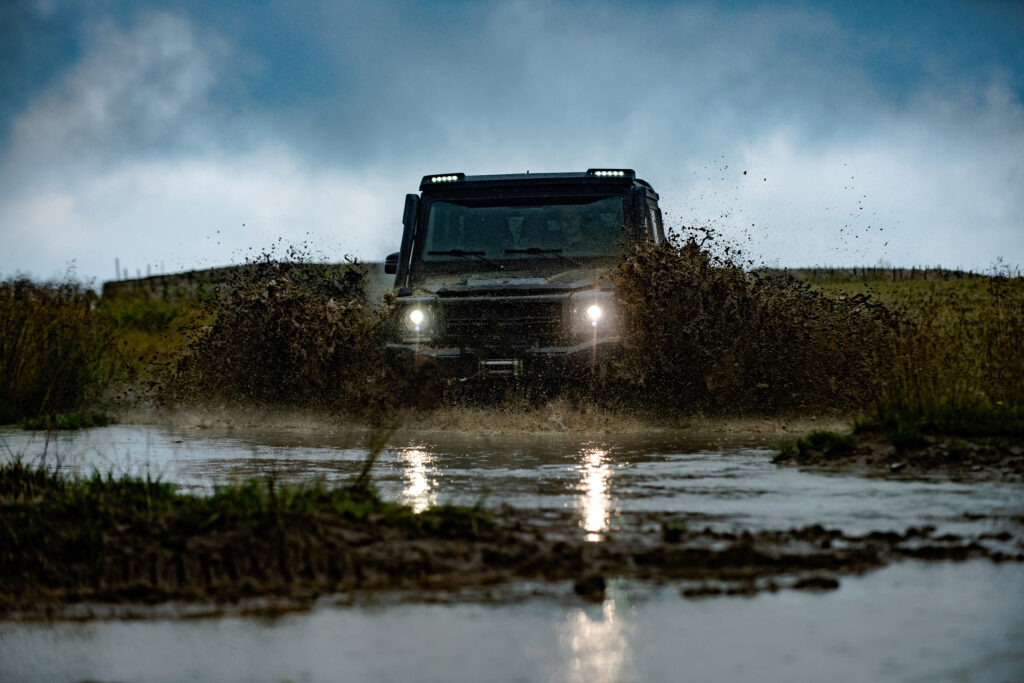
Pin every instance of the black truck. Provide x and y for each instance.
(507, 275)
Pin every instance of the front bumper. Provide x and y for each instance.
(486, 363)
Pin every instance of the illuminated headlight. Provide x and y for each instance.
(593, 312)
(417, 321)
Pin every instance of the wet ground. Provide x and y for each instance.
(909, 621)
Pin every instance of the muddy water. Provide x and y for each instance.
(910, 621)
(605, 483)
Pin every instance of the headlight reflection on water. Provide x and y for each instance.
(596, 501)
(595, 645)
(419, 490)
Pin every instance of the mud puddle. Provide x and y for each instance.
(910, 621)
(605, 484)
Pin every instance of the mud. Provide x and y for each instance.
(299, 560)
(705, 334)
(991, 459)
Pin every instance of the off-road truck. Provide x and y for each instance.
(507, 275)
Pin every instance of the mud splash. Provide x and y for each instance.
(704, 334)
(704, 337)
(283, 334)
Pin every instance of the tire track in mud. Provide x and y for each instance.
(302, 558)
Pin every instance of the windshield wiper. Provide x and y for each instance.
(478, 255)
(536, 251)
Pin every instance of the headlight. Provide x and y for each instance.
(416, 317)
(417, 320)
(593, 312)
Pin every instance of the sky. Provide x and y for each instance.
(172, 136)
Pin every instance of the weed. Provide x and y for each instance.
(672, 530)
(905, 436)
(55, 352)
(58, 527)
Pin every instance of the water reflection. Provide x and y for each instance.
(595, 503)
(594, 645)
(419, 491)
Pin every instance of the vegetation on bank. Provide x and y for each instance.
(958, 363)
(61, 531)
(55, 349)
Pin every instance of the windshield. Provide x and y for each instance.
(459, 231)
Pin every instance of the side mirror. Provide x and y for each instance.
(391, 264)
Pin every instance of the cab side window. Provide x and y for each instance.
(655, 231)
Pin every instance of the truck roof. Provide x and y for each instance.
(623, 176)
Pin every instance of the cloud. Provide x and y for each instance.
(168, 127)
(180, 215)
(940, 181)
(135, 91)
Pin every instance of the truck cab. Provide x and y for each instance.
(508, 275)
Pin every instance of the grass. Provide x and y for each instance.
(958, 365)
(56, 526)
(55, 352)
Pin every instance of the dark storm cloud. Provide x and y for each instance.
(873, 131)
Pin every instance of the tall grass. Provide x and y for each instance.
(54, 348)
(959, 361)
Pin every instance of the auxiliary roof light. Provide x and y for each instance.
(449, 178)
(608, 173)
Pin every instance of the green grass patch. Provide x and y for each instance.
(52, 517)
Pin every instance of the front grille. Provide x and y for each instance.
(515, 322)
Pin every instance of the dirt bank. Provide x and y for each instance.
(998, 458)
(300, 556)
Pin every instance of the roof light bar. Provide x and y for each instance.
(447, 178)
(611, 172)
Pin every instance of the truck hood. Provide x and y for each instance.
(504, 283)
